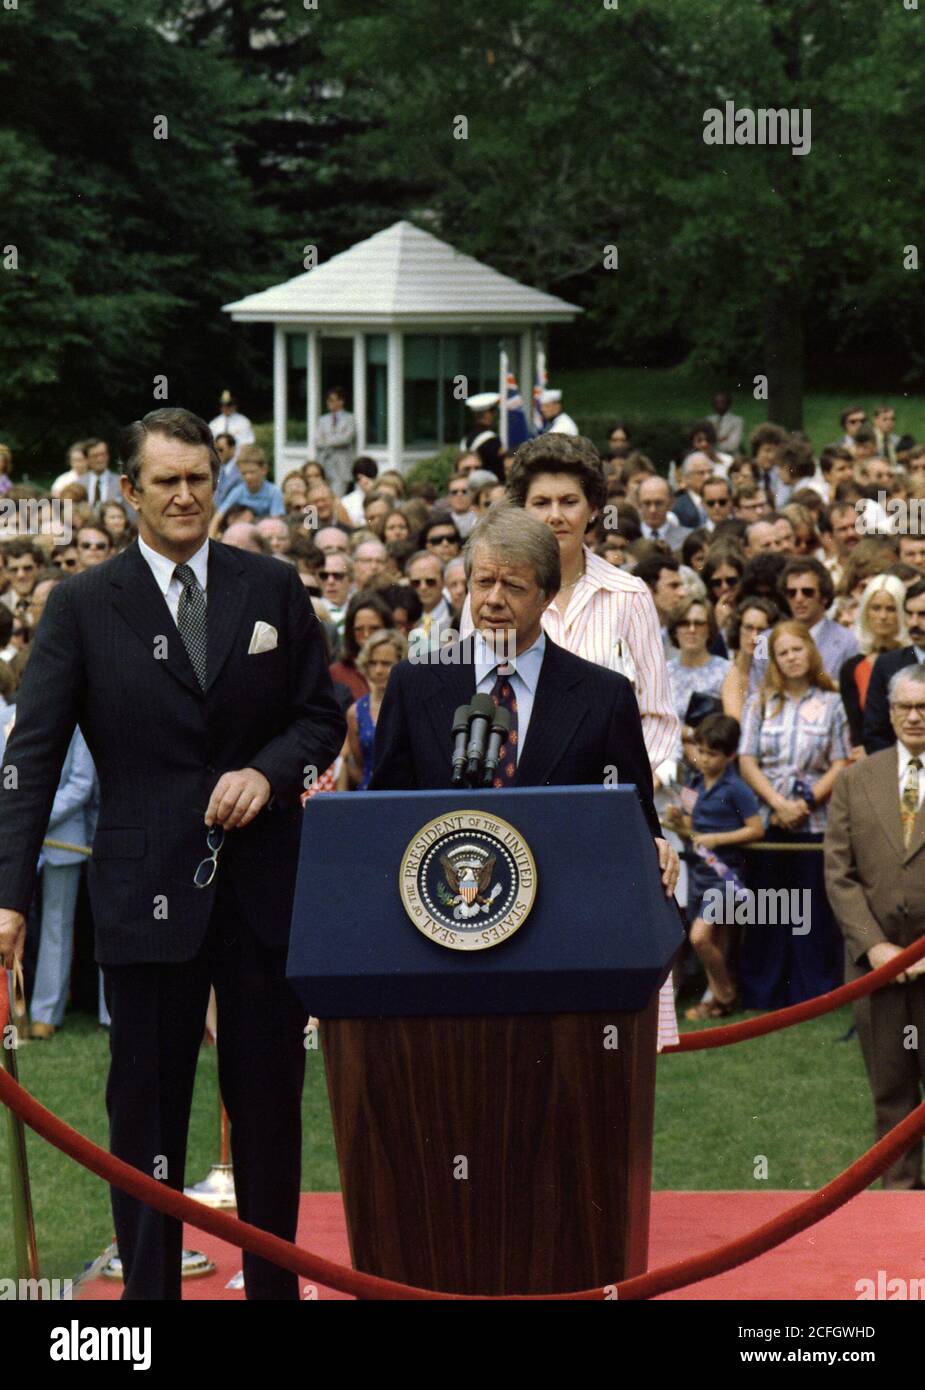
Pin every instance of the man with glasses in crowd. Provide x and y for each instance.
(806, 588)
(717, 501)
(24, 560)
(460, 497)
(424, 571)
(93, 546)
(197, 675)
(336, 586)
(852, 418)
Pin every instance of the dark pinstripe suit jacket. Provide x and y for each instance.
(160, 744)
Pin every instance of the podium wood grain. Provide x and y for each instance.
(552, 1128)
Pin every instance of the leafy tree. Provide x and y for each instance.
(126, 244)
(585, 129)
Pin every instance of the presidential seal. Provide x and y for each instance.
(468, 880)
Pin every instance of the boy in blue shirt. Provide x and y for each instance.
(725, 817)
(254, 490)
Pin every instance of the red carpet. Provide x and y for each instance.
(877, 1231)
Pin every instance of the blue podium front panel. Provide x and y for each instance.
(600, 934)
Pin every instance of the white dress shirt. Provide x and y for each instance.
(162, 567)
(523, 674)
(905, 758)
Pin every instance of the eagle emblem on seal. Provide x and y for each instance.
(468, 870)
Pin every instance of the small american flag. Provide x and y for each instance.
(327, 782)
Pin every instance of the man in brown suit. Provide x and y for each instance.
(875, 877)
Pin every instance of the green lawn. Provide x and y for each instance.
(799, 1098)
(682, 394)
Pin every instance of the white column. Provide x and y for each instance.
(503, 370)
(396, 400)
(313, 385)
(359, 390)
(526, 374)
(279, 401)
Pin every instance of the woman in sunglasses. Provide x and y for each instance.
(722, 574)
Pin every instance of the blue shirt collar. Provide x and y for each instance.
(527, 665)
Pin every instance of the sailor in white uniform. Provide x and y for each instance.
(557, 422)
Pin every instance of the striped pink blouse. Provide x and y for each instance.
(611, 620)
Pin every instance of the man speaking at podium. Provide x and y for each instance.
(197, 674)
(571, 723)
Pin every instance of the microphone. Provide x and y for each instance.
(500, 728)
(481, 713)
(460, 731)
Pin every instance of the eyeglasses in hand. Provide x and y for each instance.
(205, 872)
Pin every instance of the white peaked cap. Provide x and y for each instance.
(550, 397)
(487, 400)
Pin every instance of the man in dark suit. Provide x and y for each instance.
(878, 727)
(197, 675)
(687, 504)
(573, 723)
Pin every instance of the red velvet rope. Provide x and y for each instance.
(799, 1013)
(854, 1179)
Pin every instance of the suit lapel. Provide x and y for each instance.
(138, 599)
(882, 789)
(554, 718)
(227, 596)
(454, 686)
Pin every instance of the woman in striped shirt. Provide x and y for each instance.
(600, 613)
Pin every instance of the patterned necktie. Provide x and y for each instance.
(502, 693)
(191, 620)
(909, 805)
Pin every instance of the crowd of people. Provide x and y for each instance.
(760, 598)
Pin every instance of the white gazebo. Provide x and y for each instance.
(408, 326)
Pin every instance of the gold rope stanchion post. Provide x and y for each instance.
(24, 1241)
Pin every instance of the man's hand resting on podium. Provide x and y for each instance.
(670, 866)
(237, 798)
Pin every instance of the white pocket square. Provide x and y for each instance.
(263, 638)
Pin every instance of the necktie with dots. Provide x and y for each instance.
(191, 620)
(502, 693)
(910, 800)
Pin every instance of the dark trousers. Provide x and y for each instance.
(158, 1016)
(777, 968)
(891, 1030)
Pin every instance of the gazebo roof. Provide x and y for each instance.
(402, 275)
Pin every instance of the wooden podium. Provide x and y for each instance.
(492, 1109)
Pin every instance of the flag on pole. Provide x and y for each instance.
(518, 429)
(539, 387)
